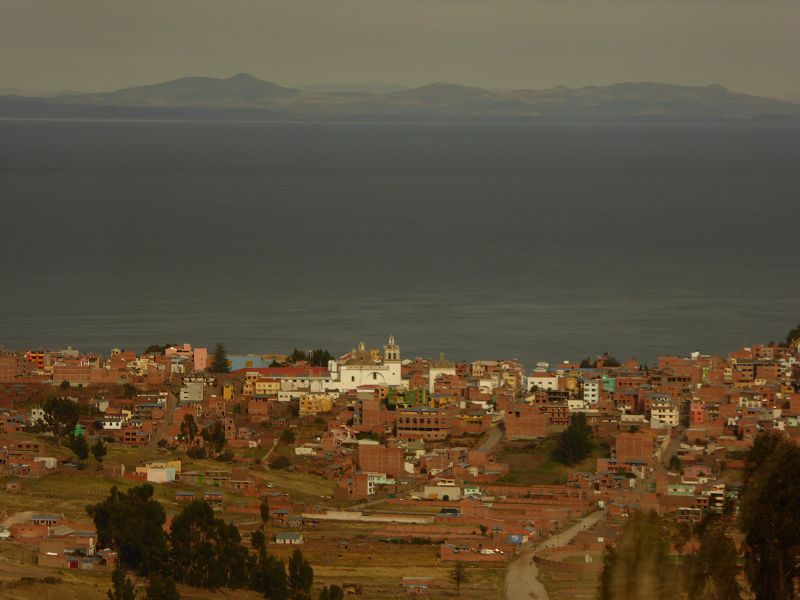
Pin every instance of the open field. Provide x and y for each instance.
(530, 463)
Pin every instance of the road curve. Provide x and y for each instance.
(522, 581)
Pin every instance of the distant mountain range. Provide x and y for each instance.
(246, 97)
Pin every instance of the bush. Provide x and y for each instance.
(280, 463)
(196, 452)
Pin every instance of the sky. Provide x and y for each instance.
(750, 46)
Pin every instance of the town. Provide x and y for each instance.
(392, 476)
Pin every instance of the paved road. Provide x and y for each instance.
(522, 581)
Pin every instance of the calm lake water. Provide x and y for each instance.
(536, 242)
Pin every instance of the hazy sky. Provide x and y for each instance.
(748, 45)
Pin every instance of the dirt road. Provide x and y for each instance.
(490, 439)
(172, 402)
(522, 581)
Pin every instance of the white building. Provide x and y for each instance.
(663, 414)
(113, 422)
(591, 391)
(37, 415)
(442, 366)
(192, 391)
(542, 381)
(359, 368)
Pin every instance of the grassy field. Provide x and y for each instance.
(378, 571)
(530, 463)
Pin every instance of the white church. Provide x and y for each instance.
(360, 367)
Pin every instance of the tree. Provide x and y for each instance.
(458, 575)
(273, 579)
(319, 357)
(587, 363)
(161, 588)
(77, 443)
(121, 586)
(288, 436)
(334, 592)
(60, 416)
(575, 442)
(156, 348)
(64, 385)
(219, 362)
(215, 435)
(675, 463)
(301, 577)
(712, 569)
(639, 567)
(258, 540)
(129, 390)
(188, 429)
(297, 356)
(132, 523)
(793, 335)
(769, 518)
(280, 463)
(264, 510)
(99, 450)
(206, 551)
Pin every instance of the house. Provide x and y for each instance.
(290, 538)
(417, 585)
(214, 498)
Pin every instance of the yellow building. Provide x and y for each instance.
(266, 387)
(314, 404)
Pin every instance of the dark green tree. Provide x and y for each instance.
(458, 575)
(258, 540)
(575, 442)
(219, 362)
(60, 416)
(319, 357)
(280, 463)
(274, 577)
(264, 510)
(297, 356)
(161, 588)
(214, 434)
(157, 348)
(188, 429)
(334, 592)
(132, 523)
(77, 443)
(301, 577)
(121, 586)
(288, 436)
(793, 334)
(99, 450)
(206, 551)
(638, 568)
(712, 570)
(769, 517)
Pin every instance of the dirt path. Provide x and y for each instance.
(490, 439)
(522, 581)
(172, 402)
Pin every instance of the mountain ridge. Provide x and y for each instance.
(245, 94)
